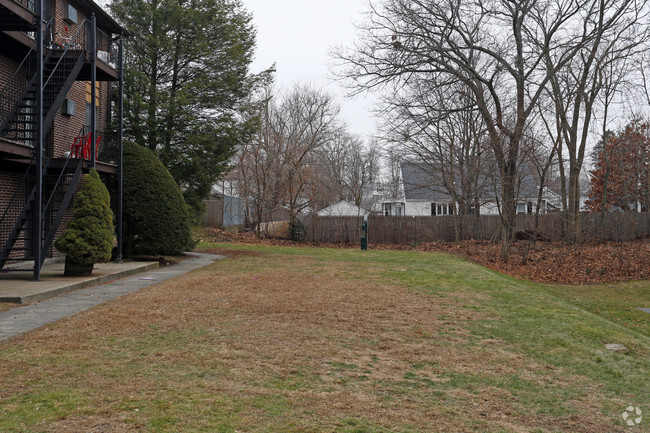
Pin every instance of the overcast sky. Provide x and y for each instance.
(297, 36)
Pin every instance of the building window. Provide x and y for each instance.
(529, 206)
(521, 208)
(451, 208)
(439, 209)
(433, 209)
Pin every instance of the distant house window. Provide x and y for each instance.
(451, 209)
(521, 208)
(433, 209)
(439, 209)
(529, 207)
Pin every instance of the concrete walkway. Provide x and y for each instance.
(23, 319)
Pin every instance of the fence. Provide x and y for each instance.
(404, 230)
(213, 215)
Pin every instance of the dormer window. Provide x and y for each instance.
(69, 14)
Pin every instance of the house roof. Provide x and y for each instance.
(420, 183)
(342, 208)
(104, 20)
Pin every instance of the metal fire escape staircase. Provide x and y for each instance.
(60, 177)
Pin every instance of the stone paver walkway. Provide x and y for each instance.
(24, 319)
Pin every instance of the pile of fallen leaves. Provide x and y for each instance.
(547, 262)
(557, 262)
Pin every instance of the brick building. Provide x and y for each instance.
(57, 120)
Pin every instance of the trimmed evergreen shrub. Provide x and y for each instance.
(297, 231)
(154, 216)
(90, 234)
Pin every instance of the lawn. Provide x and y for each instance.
(281, 339)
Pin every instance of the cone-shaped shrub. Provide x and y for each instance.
(89, 236)
(155, 216)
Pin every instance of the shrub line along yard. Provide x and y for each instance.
(284, 339)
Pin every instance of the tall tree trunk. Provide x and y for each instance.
(508, 207)
(152, 107)
(573, 223)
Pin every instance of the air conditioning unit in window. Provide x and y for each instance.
(69, 107)
(69, 14)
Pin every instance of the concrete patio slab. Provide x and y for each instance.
(19, 287)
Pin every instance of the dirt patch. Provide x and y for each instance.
(545, 262)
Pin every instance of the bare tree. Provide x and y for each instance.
(331, 164)
(495, 48)
(611, 31)
(445, 135)
(392, 156)
(361, 170)
(303, 122)
(258, 162)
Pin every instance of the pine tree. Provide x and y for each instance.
(187, 83)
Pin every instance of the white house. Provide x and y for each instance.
(343, 208)
(420, 194)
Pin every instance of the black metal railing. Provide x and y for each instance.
(27, 4)
(14, 210)
(75, 43)
(107, 50)
(17, 100)
(13, 89)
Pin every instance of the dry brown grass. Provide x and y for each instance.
(6, 306)
(331, 347)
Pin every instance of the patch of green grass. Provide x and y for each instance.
(38, 405)
(618, 302)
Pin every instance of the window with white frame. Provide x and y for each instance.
(521, 208)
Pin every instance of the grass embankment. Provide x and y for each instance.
(283, 339)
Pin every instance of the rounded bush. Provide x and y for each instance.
(155, 217)
(88, 239)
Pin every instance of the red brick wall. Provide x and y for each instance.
(10, 183)
(8, 66)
